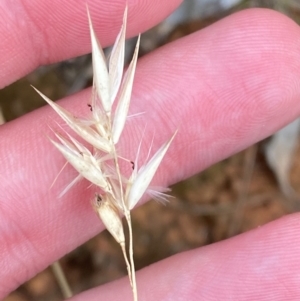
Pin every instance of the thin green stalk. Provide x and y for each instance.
(61, 280)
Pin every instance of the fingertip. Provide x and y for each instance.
(35, 33)
(258, 265)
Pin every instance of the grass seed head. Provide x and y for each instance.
(105, 127)
(102, 132)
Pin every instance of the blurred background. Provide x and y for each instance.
(240, 193)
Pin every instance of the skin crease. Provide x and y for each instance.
(233, 83)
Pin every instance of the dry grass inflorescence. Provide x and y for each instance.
(100, 163)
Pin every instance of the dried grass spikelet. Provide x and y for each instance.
(118, 194)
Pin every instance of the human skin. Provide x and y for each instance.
(225, 88)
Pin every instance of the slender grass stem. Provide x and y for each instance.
(123, 247)
(134, 285)
(130, 265)
(61, 280)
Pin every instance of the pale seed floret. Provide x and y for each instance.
(110, 217)
(124, 97)
(139, 184)
(84, 131)
(116, 61)
(101, 78)
(86, 166)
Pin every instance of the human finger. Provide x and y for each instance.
(261, 264)
(37, 32)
